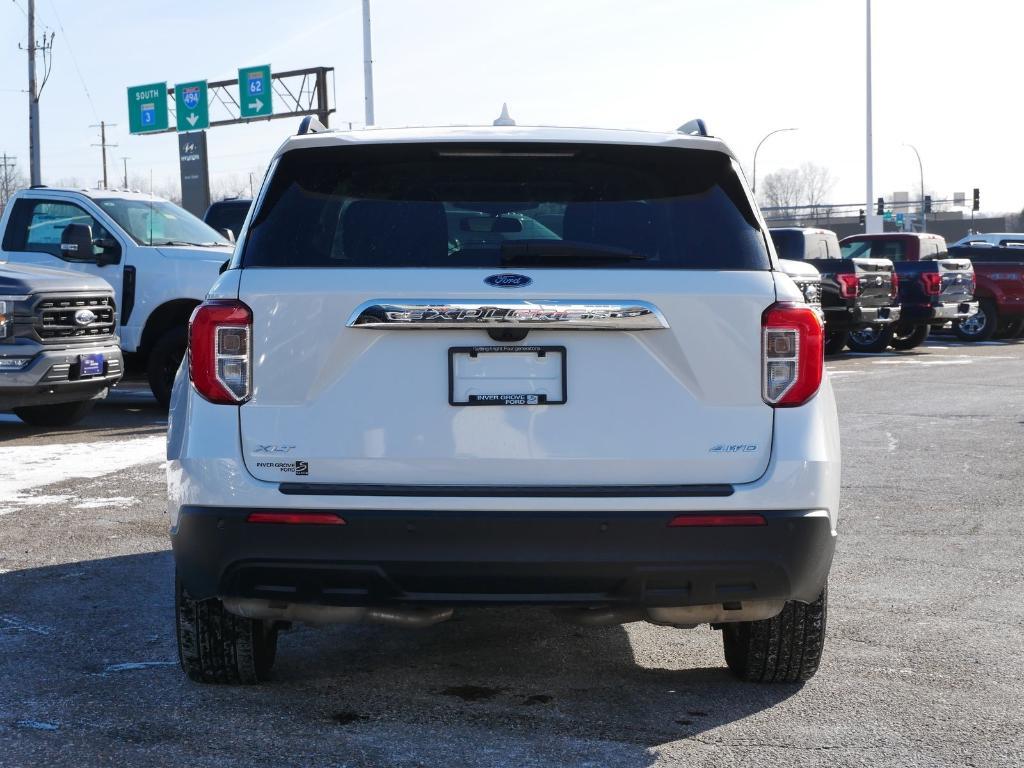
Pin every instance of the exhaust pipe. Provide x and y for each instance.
(270, 610)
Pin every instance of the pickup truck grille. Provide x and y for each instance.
(55, 319)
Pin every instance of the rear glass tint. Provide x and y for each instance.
(503, 205)
(894, 250)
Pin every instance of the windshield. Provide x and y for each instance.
(495, 205)
(160, 223)
(894, 250)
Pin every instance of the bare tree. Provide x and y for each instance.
(787, 188)
(11, 180)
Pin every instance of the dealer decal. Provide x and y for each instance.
(290, 467)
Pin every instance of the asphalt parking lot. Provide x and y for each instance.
(924, 664)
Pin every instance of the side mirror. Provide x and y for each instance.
(76, 242)
(110, 251)
(228, 234)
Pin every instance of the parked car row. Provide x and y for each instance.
(893, 289)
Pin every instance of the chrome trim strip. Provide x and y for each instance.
(568, 314)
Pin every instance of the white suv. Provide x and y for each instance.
(477, 366)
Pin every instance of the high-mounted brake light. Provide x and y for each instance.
(849, 286)
(894, 289)
(220, 351)
(932, 283)
(792, 354)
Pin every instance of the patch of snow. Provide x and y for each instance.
(113, 501)
(37, 725)
(19, 625)
(25, 468)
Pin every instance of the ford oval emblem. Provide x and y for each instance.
(85, 317)
(508, 280)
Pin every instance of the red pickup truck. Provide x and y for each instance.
(999, 272)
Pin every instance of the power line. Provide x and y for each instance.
(74, 60)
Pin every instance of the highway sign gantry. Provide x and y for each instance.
(254, 94)
(147, 108)
(192, 107)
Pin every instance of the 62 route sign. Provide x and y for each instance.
(147, 108)
(193, 110)
(254, 97)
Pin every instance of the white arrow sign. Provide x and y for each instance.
(192, 119)
(256, 106)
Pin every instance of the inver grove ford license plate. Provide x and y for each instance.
(90, 365)
(506, 375)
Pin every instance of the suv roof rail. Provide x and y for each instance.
(695, 127)
(310, 124)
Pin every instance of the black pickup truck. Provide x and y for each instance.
(858, 296)
(59, 350)
(934, 289)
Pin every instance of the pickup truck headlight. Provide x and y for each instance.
(7, 304)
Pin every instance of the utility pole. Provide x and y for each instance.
(874, 223)
(103, 148)
(125, 161)
(367, 64)
(34, 90)
(33, 99)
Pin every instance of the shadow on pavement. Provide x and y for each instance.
(88, 667)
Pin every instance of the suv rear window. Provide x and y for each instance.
(505, 205)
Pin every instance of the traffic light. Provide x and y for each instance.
(977, 200)
(880, 210)
(927, 203)
(862, 217)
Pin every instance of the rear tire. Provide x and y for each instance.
(908, 337)
(58, 415)
(869, 338)
(215, 646)
(835, 342)
(979, 326)
(784, 649)
(164, 360)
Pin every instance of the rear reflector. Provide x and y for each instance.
(705, 521)
(296, 518)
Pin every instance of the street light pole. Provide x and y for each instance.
(753, 185)
(920, 168)
(367, 65)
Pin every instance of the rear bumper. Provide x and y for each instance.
(53, 376)
(385, 557)
(842, 318)
(940, 313)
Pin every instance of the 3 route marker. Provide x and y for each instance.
(147, 108)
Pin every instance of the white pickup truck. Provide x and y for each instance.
(160, 260)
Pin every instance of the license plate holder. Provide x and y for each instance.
(507, 375)
(90, 365)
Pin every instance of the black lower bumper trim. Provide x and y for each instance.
(508, 491)
(456, 557)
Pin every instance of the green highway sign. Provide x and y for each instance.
(254, 98)
(147, 108)
(193, 110)
(888, 216)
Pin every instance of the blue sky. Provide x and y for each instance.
(948, 77)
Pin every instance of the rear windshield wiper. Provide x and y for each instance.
(543, 251)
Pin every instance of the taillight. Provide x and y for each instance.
(849, 286)
(220, 351)
(894, 289)
(792, 354)
(932, 282)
